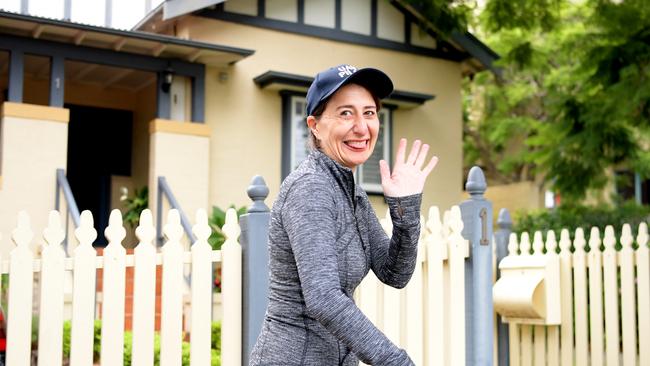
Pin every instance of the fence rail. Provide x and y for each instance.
(53, 266)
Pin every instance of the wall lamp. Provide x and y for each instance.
(167, 79)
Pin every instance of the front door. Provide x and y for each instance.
(99, 146)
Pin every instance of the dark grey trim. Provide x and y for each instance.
(407, 29)
(99, 56)
(301, 11)
(283, 78)
(285, 166)
(57, 81)
(166, 191)
(163, 99)
(16, 75)
(261, 8)
(129, 34)
(332, 34)
(373, 17)
(484, 54)
(411, 97)
(198, 99)
(338, 10)
(19, 45)
(477, 49)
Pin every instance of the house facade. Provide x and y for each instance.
(207, 96)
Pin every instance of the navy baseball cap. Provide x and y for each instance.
(329, 81)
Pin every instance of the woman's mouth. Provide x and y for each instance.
(356, 145)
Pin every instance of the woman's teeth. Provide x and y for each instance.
(356, 144)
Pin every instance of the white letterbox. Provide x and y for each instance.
(528, 290)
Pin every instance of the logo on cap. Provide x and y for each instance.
(346, 70)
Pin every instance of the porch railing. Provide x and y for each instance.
(165, 190)
(62, 186)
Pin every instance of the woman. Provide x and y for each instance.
(324, 236)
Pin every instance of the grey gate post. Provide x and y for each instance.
(477, 219)
(255, 267)
(501, 238)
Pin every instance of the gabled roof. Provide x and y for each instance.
(467, 41)
(474, 54)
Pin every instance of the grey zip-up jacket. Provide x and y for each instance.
(324, 237)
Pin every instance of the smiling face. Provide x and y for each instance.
(347, 130)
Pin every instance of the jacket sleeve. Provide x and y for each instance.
(309, 217)
(393, 259)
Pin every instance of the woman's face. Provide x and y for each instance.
(347, 129)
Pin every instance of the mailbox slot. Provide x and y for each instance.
(528, 291)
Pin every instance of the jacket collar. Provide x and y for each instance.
(341, 174)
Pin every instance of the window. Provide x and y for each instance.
(296, 142)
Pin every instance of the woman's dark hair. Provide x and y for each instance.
(318, 112)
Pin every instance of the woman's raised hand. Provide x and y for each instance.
(408, 176)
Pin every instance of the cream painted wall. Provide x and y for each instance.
(245, 121)
(183, 160)
(31, 151)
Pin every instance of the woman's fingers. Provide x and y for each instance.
(432, 164)
(422, 156)
(414, 152)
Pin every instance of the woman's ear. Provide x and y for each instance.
(312, 125)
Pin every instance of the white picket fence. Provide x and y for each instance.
(83, 264)
(605, 301)
(427, 317)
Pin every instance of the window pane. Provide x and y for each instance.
(299, 132)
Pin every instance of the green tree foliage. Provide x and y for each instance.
(585, 217)
(573, 98)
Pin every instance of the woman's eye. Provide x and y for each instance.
(369, 113)
(346, 113)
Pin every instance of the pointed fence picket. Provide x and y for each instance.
(643, 297)
(112, 344)
(231, 329)
(171, 318)
(144, 292)
(21, 277)
(83, 299)
(595, 261)
(605, 297)
(200, 330)
(51, 306)
(53, 266)
(427, 317)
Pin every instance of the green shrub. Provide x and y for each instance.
(216, 221)
(216, 336)
(128, 345)
(574, 216)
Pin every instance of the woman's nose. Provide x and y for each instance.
(360, 125)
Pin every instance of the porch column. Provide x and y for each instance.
(16, 75)
(179, 151)
(34, 145)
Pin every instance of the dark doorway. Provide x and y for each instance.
(99, 146)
